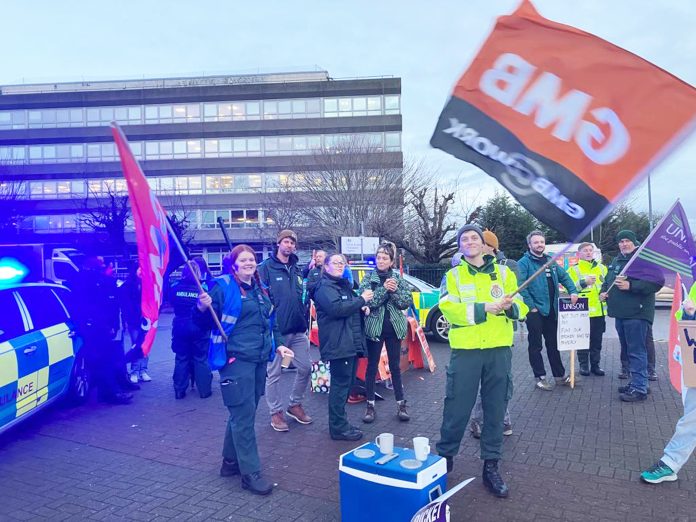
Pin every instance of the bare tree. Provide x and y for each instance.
(12, 191)
(109, 214)
(351, 188)
(180, 215)
(431, 215)
(284, 205)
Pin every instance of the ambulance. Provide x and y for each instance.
(41, 356)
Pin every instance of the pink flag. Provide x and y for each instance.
(151, 236)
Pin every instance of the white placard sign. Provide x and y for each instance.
(359, 245)
(573, 324)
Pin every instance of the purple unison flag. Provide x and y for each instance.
(668, 250)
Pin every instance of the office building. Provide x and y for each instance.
(210, 146)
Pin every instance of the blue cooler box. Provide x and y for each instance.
(390, 492)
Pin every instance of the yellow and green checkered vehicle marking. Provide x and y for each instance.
(34, 369)
(423, 302)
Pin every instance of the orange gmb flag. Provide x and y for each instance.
(566, 121)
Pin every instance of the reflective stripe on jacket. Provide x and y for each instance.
(578, 273)
(464, 292)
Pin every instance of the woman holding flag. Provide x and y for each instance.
(245, 312)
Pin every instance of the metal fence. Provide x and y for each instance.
(429, 273)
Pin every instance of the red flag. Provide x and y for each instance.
(674, 350)
(151, 236)
(566, 121)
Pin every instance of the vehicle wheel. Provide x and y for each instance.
(79, 386)
(440, 326)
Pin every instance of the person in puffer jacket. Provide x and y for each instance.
(341, 339)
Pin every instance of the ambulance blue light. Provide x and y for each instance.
(11, 271)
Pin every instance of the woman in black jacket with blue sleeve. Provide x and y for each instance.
(341, 338)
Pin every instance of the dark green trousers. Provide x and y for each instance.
(342, 377)
(242, 384)
(466, 370)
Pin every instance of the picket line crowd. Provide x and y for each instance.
(263, 312)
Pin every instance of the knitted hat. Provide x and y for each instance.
(467, 228)
(491, 239)
(286, 233)
(627, 234)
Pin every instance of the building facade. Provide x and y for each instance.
(211, 147)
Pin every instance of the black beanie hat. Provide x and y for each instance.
(467, 228)
(627, 234)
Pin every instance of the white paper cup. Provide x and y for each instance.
(286, 362)
(421, 447)
(385, 443)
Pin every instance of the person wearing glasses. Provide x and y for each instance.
(386, 325)
(341, 338)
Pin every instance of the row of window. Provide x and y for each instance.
(163, 185)
(200, 148)
(197, 219)
(202, 112)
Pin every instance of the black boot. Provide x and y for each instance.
(255, 483)
(598, 371)
(229, 468)
(401, 412)
(584, 369)
(450, 463)
(369, 416)
(492, 479)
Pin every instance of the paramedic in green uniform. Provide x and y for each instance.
(476, 297)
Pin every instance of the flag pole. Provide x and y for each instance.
(195, 277)
(541, 269)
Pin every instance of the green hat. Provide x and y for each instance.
(627, 234)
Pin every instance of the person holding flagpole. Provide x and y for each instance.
(631, 302)
(682, 444)
(478, 299)
(541, 296)
(253, 339)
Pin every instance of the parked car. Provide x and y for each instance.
(41, 357)
(425, 302)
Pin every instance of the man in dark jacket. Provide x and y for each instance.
(341, 339)
(283, 279)
(189, 340)
(631, 302)
(97, 316)
(312, 273)
(541, 296)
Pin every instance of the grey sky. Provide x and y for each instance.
(427, 44)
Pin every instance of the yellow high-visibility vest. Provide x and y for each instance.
(582, 270)
(463, 294)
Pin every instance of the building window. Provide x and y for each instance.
(196, 112)
(392, 104)
(196, 148)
